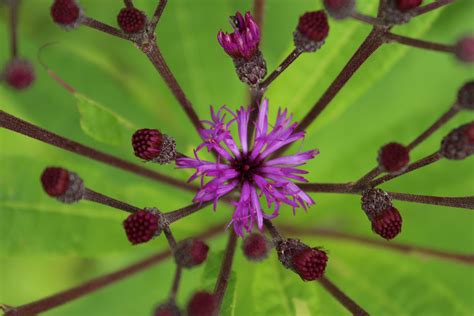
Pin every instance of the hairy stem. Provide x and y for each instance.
(95, 284)
(93, 23)
(369, 176)
(157, 14)
(185, 211)
(366, 18)
(259, 12)
(14, 28)
(436, 125)
(176, 281)
(461, 202)
(432, 6)
(156, 58)
(394, 246)
(416, 165)
(345, 300)
(224, 274)
(22, 127)
(413, 42)
(285, 63)
(276, 235)
(372, 42)
(105, 200)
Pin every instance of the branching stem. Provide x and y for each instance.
(93, 23)
(284, 64)
(224, 274)
(157, 14)
(390, 37)
(105, 200)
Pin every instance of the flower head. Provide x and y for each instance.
(244, 41)
(249, 167)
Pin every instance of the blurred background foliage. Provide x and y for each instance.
(46, 246)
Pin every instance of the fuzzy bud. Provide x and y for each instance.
(459, 143)
(312, 30)
(399, 11)
(191, 252)
(393, 158)
(167, 309)
(251, 71)
(466, 96)
(388, 223)
(152, 145)
(143, 225)
(374, 201)
(201, 304)
(339, 9)
(64, 185)
(309, 263)
(66, 13)
(464, 49)
(131, 20)
(19, 74)
(255, 247)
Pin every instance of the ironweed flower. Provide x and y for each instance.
(244, 41)
(250, 168)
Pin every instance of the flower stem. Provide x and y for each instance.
(287, 62)
(327, 187)
(416, 165)
(176, 281)
(93, 23)
(14, 28)
(276, 235)
(255, 99)
(461, 202)
(403, 248)
(224, 274)
(366, 18)
(105, 200)
(373, 41)
(157, 14)
(156, 58)
(432, 6)
(170, 238)
(436, 125)
(128, 3)
(345, 300)
(185, 211)
(17, 125)
(390, 37)
(95, 284)
(259, 12)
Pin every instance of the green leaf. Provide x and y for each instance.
(101, 123)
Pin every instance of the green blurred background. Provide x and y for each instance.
(46, 246)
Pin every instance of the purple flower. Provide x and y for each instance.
(249, 168)
(244, 41)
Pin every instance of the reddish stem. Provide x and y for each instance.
(276, 235)
(463, 258)
(14, 28)
(389, 37)
(95, 284)
(93, 23)
(461, 202)
(373, 41)
(156, 58)
(345, 300)
(224, 274)
(128, 3)
(366, 18)
(259, 13)
(22, 127)
(105, 200)
(157, 14)
(432, 6)
(255, 100)
(185, 211)
(285, 63)
(176, 281)
(416, 165)
(327, 187)
(436, 125)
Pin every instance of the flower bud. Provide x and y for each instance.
(66, 13)
(464, 49)
(168, 308)
(393, 158)
(399, 11)
(191, 252)
(64, 185)
(19, 74)
(256, 247)
(459, 143)
(312, 30)
(202, 304)
(143, 225)
(131, 20)
(387, 223)
(152, 145)
(466, 96)
(339, 9)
